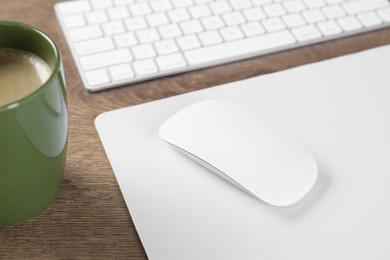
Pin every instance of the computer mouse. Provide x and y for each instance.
(245, 150)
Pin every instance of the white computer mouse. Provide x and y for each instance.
(243, 149)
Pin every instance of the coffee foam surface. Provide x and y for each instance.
(21, 73)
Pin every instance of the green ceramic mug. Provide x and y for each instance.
(33, 132)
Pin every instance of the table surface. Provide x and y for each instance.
(89, 218)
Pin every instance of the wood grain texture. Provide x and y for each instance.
(89, 219)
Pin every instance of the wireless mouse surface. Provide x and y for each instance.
(241, 148)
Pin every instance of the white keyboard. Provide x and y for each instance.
(119, 42)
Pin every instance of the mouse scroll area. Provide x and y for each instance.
(248, 152)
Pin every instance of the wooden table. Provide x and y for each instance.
(89, 219)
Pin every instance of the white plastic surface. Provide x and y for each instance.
(339, 109)
(250, 152)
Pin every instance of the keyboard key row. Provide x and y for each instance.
(105, 59)
(141, 68)
(96, 13)
(170, 45)
(145, 34)
(167, 31)
(241, 47)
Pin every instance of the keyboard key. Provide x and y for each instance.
(135, 23)
(241, 4)
(143, 51)
(125, 40)
(170, 31)
(96, 17)
(181, 3)
(333, 12)
(314, 3)
(172, 61)
(145, 67)
(329, 28)
(179, 15)
(94, 46)
(274, 10)
(335, 1)
(231, 33)
(121, 72)
(261, 2)
(360, 6)
(85, 33)
(253, 14)
(210, 38)
(190, 27)
(140, 8)
(220, 7)
(307, 32)
(241, 47)
(74, 7)
(273, 24)
(97, 77)
(199, 11)
(105, 59)
(233, 18)
(148, 35)
(294, 6)
(73, 21)
(314, 16)
(101, 4)
(294, 20)
(350, 23)
(123, 2)
(118, 13)
(161, 5)
(166, 47)
(384, 14)
(157, 19)
(212, 22)
(202, 1)
(369, 19)
(188, 42)
(114, 27)
(252, 29)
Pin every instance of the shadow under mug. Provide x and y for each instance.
(33, 133)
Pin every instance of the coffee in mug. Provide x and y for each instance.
(21, 73)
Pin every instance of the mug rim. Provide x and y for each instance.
(56, 67)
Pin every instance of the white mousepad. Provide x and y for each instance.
(339, 109)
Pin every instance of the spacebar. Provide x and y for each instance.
(239, 48)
